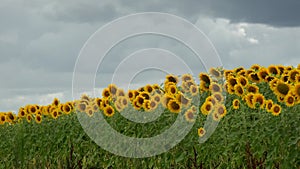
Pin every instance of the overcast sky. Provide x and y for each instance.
(41, 39)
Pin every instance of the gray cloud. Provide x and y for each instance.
(40, 39)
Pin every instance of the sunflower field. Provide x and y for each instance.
(257, 111)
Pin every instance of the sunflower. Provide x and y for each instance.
(106, 93)
(148, 88)
(215, 87)
(282, 88)
(28, 118)
(296, 90)
(67, 108)
(215, 73)
(255, 67)
(249, 71)
(153, 104)
(194, 90)
(21, 112)
(182, 99)
(242, 80)
(118, 107)
(81, 107)
(38, 119)
(98, 101)
(292, 75)
(258, 99)
(172, 78)
(201, 132)
(285, 78)
(232, 81)
(205, 79)
(242, 73)
(238, 70)
(269, 105)
(249, 100)
(124, 101)
(251, 88)
(190, 115)
(218, 96)
(2, 118)
(112, 89)
(216, 116)
(171, 89)
(206, 108)
(54, 114)
(263, 73)
(145, 95)
(146, 105)
(85, 97)
(269, 78)
(55, 102)
(32, 109)
(254, 77)
(136, 105)
(10, 117)
(236, 104)
(186, 77)
(89, 110)
(157, 98)
(281, 69)
(211, 99)
(109, 111)
(289, 100)
(238, 90)
(221, 110)
(276, 110)
(139, 100)
(174, 106)
(120, 92)
(132, 94)
(273, 70)
(228, 73)
(166, 99)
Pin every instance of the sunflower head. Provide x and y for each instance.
(109, 111)
(186, 77)
(215, 87)
(201, 132)
(269, 105)
(172, 78)
(190, 115)
(292, 75)
(38, 119)
(251, 88)
(174, 106)
(239, 90)
(242, 80)
(215, 73)
(273, 70)
(276, 110)
(106, 93)
(183, 100)
(112, 89)
(194, 90)
(282, 88)
(206, 108)
(289, 100)
(259, 99)
(236, 104)
(255, 67)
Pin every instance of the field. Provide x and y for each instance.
(250, 118)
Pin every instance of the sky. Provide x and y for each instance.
(40, 41)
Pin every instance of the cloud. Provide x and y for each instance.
(244, 44)
(40, 39)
